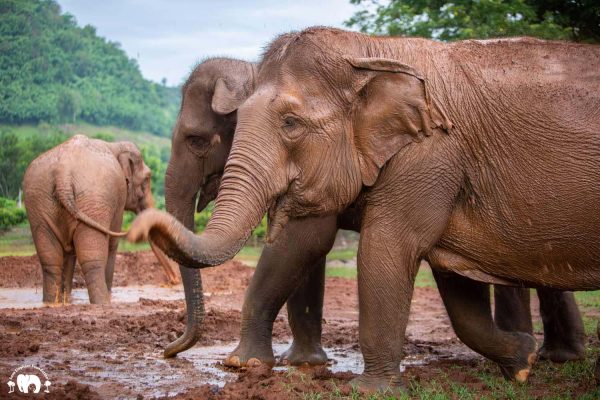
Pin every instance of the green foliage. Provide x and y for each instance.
(465, 19)
(201, 219)
(10, 214)
(54, 71)
(16, 152)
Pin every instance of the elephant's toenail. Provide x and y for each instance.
(233, 361)
(522, 375)
(254, 362)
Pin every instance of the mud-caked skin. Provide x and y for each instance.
(75, 196)
(482, 157)
(292, 268)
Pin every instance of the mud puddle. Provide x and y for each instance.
(32, 298)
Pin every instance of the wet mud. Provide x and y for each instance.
(115, 351)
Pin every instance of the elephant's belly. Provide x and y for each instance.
(523, 254)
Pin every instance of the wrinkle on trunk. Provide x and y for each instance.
(250, 182)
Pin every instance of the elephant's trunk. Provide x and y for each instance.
(251, 181)
(181, 205)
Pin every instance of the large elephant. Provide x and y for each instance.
(75, 196)
(201, 143)
(482, 157)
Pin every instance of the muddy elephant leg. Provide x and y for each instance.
(279, 271)
(50, 253)
(468, 306)
(110, 262)
(67, 278)
(52, 277)
(91, 248)
(513, 309)
(305, 315)
(564, 335)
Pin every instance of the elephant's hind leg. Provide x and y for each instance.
(513, 309)
(50, 253)
(468, 306)
(91, 247)
(67, 277)
(305, 314)
(564, 335)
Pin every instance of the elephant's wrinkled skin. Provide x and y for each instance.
(75, 196)
(200, 144)
(482, 157)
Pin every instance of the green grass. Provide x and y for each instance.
(17, 241)
(140, 138)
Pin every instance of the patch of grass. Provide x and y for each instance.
(17, 241)
(425, 278)
(342, 254)
(588, 299)
(341, 272)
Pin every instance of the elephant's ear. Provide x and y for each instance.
(126, 162)
(225, 100)
(391, 109)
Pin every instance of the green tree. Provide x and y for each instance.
(53, 70)
(465, 19)
(10, 156)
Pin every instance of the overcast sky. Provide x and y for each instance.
(167, 37)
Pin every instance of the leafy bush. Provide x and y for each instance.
(10, 214)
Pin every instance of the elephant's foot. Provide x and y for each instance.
(250, 356)
(304, 355)
(390, 385)
(562, 354)
(519, 366)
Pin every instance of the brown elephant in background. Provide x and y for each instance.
(482, 157)
(75, 196)
(292, 270)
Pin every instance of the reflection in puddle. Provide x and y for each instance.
(32, 297)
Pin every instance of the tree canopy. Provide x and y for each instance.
(577, 20)
(54, 71)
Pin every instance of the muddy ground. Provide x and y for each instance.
(96, 352)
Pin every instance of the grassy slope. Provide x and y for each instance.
(140, 138)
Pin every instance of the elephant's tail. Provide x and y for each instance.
(66, 196)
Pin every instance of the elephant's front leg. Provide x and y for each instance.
(305, 314)
(282, 267)
(386, 273)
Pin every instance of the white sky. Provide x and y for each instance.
(168, 37)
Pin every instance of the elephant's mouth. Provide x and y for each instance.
(208, 192)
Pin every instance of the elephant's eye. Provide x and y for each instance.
(292, 126)
(289, 122)
(198, 144)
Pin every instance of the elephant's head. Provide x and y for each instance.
(329, 110)
(137, 176)
(200, 145)
(203, 134)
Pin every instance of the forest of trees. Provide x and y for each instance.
(55, 71)
(577, 20)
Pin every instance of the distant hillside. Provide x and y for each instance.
(53, 71)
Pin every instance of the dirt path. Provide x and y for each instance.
(116, 351)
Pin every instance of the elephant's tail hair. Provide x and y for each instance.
(66, 196)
